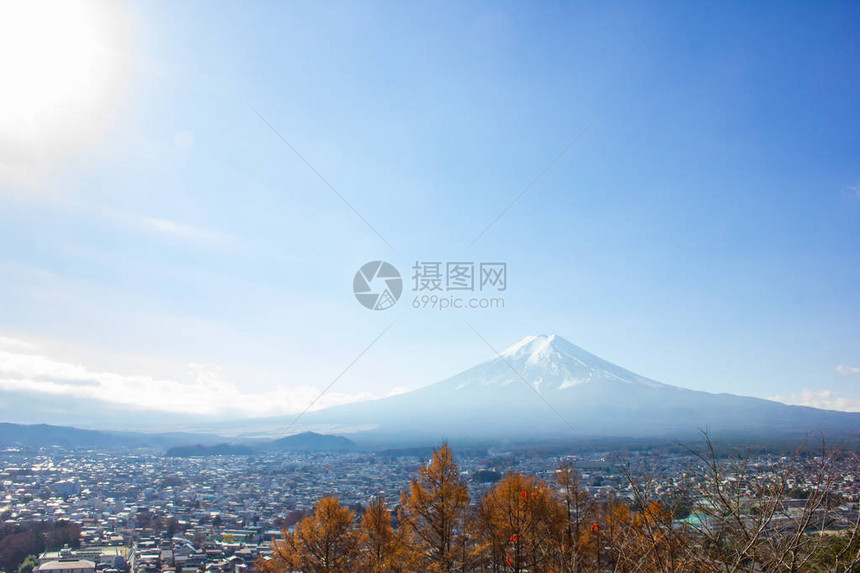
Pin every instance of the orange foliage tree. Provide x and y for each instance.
(383, 549)
(433, 511)
(324, 542)
(579, 509)
(521, 523)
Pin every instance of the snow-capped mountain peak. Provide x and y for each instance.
(549, 363)
(535, 348)
(495, 400)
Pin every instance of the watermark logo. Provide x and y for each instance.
(459, 276)
(436, 284)
(377, 285)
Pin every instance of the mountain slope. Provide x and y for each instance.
(545, 386)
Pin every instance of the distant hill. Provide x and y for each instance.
(312, 442)
(199, 450)
(45, 436)
(176, 444)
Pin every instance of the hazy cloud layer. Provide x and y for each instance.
(847, 370)
(826, 399)
(24, 367)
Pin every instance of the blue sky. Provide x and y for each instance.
(704, 232)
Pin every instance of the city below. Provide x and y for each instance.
(146, 512)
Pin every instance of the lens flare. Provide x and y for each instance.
(63, 65)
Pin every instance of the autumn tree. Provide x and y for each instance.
(606, 543)
(383, 549)
(321, 543)
(15, 548)
(522, 522)
(578, 509)
(648, 535)
(433, 509)
(63, 533)
(28, 564)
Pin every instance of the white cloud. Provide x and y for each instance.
(157, 225)
(125, 220)
(25, 368)
(15, 344)
(847, 370)
(179, 230)
(825, 399)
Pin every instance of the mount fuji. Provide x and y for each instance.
(545, 387)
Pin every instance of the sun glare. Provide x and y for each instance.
(61, 66)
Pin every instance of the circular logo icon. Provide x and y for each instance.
(377, 285)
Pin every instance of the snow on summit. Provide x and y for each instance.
(534, 347)
(495, 399)
(548, 362)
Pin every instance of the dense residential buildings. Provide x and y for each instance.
(147, 513)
